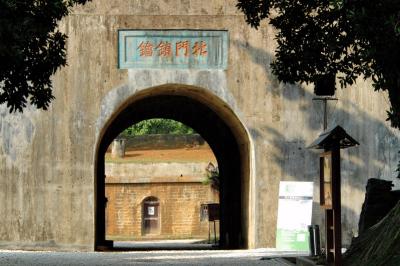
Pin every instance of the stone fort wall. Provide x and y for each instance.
(48, 158)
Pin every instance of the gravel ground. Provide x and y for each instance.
(199, 257)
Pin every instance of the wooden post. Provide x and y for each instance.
(209, 233)
(336, 204)
(215, 234)
(333, 226)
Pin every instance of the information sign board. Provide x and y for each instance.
(294, 215)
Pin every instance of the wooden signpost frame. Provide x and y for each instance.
(331, 141)
(330, 200)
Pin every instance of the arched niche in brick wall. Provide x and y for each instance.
(215, 121)
(151, 216)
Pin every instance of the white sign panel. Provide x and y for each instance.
(294, 215)
(150, 210)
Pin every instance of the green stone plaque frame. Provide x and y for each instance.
(176, 49)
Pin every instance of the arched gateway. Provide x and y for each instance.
(198, 63)
(219, 126)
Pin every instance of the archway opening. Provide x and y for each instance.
(217, 124)
(160, 174)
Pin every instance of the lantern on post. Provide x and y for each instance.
(331, 141)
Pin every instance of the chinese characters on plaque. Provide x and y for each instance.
(166, 49)
(183, 49)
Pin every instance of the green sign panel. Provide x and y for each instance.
(296, 240)
(173, 49)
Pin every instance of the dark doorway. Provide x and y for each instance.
(151, 216)
(218, 126)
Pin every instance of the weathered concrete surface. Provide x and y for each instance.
(156, 172)
(47, 159)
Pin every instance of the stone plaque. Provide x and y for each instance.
(183, 49)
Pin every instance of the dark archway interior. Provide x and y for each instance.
(212, 128)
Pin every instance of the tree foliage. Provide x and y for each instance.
(157, 126)
(310, 40)
(212, 177)
(321, 40)
(31, 50)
